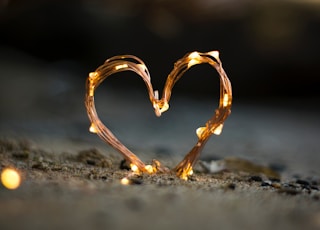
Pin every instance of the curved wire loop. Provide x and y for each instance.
(131, 63)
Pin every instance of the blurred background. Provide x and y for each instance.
(269, 49)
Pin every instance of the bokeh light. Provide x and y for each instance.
(10, 178)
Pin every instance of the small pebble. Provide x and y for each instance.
(136, 181)
(124, 165)
(289, 185)
(274, 179)
(192, 178)
(56, 168)
(91, 162)
(92, 176)
(255, 178)
(40, 166)
(104, 177)
(231, 186)
(265, 183)
(276, 185)
(93, 157)
(302, 182)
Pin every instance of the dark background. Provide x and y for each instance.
(268, 48)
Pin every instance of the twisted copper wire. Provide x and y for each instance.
(132, 63)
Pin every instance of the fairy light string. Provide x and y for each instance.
(131, 63)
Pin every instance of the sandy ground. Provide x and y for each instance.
(83, 190)
(73, 180)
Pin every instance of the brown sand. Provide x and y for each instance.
(83, 190)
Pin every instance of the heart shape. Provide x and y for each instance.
(131, 63)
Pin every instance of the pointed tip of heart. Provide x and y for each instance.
(184, 171)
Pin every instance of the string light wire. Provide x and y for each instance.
(132, 63)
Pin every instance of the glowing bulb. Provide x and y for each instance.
(125, 181)
(121, 66)
(92, 75)
(218, 130)
(194, 55)
(10, 178)
(165, 107)
(194, 59)
(134, 168)
(92, 128)
(184, 177)
(149, 169)
(142, 66)
(156, 94)
(215, 54)
(91, 90)
(200, 130)
(193, 62)
(225, 100)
